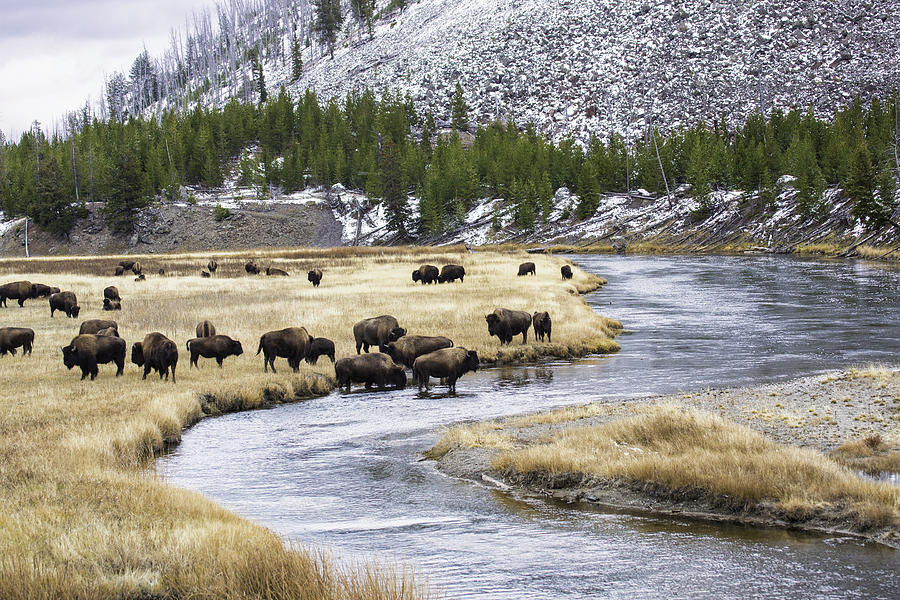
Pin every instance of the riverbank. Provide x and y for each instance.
(762, 456)
(86, 516)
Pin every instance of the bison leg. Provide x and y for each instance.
(21, 302)
(11, 351)
(366, 346)
(331, 356)
(120, 367)
(173, 373)
(146, 370)
(218, 361)
(26, 348)
(452, 381)
(524, 336)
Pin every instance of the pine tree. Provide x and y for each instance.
(459, 111)
(363, 13)
(259, 76)
(810, 184)
(52, 207)
(328, 20)
(296, 58)
(394, 195)
(860, 186)
(127, 194)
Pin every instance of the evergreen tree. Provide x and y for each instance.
(52, 208)
(459, 111)
(860, 186)
(258, 76)
(363, 13)
(328, 20)
(394, 195)
(296, 58)
(810, 184)
(127, 194)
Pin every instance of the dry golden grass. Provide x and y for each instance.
(84, 514)
(872, 455)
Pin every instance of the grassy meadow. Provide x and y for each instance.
(84, 514)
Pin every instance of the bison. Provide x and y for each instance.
(219, 347)
(319, 347)
(120, 270)
(251, 268)
(205, 329)
(65, 302)
(407, 349)
(273, 271)
(527, 268)
(137, 269)
(290, 343)
(95, 325)
(204, 273)
(542, 325)
(212, 265)
(156, 352)
(425, 274)
(369, 369)
(111, 292)
(314, 277)
(17, 290)
(449, 363)
(161, 271)
(109, 331)
(126, 265)
(43, 291)
(140, 277)
(88, 350)
(450, 273)
(376, 331)
(566, 271)
(14, 337)
(112, 304)
(505, 323)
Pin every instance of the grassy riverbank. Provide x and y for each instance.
(83, 512)
(783, 454)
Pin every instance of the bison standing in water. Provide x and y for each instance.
(290, 343)
(17, 290)
(314, 277)
(219, 347)
(156, 352)
(449, 363)
(505, 323)
(527, 268)
(407, 349)
(14, 337)
(542, 325)
(450, 273)
(319, 346)
(376, 331)
(566, 271)
(369, 369)
(426, 274)
(88, 350)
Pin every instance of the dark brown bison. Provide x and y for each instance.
(65, 302)
(218, 347)
(407, 349)
(13, 337)
(505, 323)
(44, 291)
(314, 277)
(95, 325)
(290, 343)
(109, 331)
(450, 273)
(449, 363)
(274, 271)
(156, 352)
(126, 265)
(426, 274)
(205, 329)
(140, 277)
(251, 268)
(112, 304)
(204, 274)
(111, 292)
(212, 265)
(542, 325)
(137, 269)
(319, 347)
(566, 271)
(527, 268)
(88, 350)
(369, 369)
(376, 331)
(161, 271)
(120, 270)
(17, 290)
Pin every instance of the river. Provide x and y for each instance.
(343, 471)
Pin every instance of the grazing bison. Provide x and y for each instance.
(319, 347)
(161, 271)
(137, 269)
(212, 265)
(204, 274)
(17, 290)
(140, 277)
(425, 274)
(126, 265)
(109, 331)
(156, 352)
(65, 302)
(369, 369)
(205, 329)
(251, 268)
(274, 271)
(112, 304)
(505, 323)
(376, 331)
(13, 337)
(449, 363)
(527, 268)
(43, 291)
(542, 325)
(290, 343)
(111, 292)
(407, 349)
(95, 325)
(450, 273)
(120, 270)
(218, 347)
(566, 271)
(314, 277)
(88, 350)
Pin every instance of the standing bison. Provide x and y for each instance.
(15, 337)
(95, 325)
(369, 369)
(542, 325)
(43, 291)
(450, 273)
(314, 277)
(319, 346)
(505, 323)
(17, 290)
(212, 265)
(376, 331)
(156, 352)
(290, 343)
(120, 270)
(126, 265)
(566, 271)
(425, 274)
(112, 293)
(449, 363)
(65, 302)
(251, 268)
(527, 268)
(407, 349)
(219, 347)
(137, 269)
(205, 329)
(88, 350)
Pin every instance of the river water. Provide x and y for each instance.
(343, 471)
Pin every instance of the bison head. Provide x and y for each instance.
(70, 356)
(471, 362)
(493, 320)
(396, 333)
(416, 275)
(236, 348)
(137, 354)
(75, 310)
(397, 376)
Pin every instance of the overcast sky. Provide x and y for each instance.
(55, 53)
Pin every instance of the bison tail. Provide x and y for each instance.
(188, 345)
(258, 350)
(451, 343)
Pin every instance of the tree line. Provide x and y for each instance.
(379, 143)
